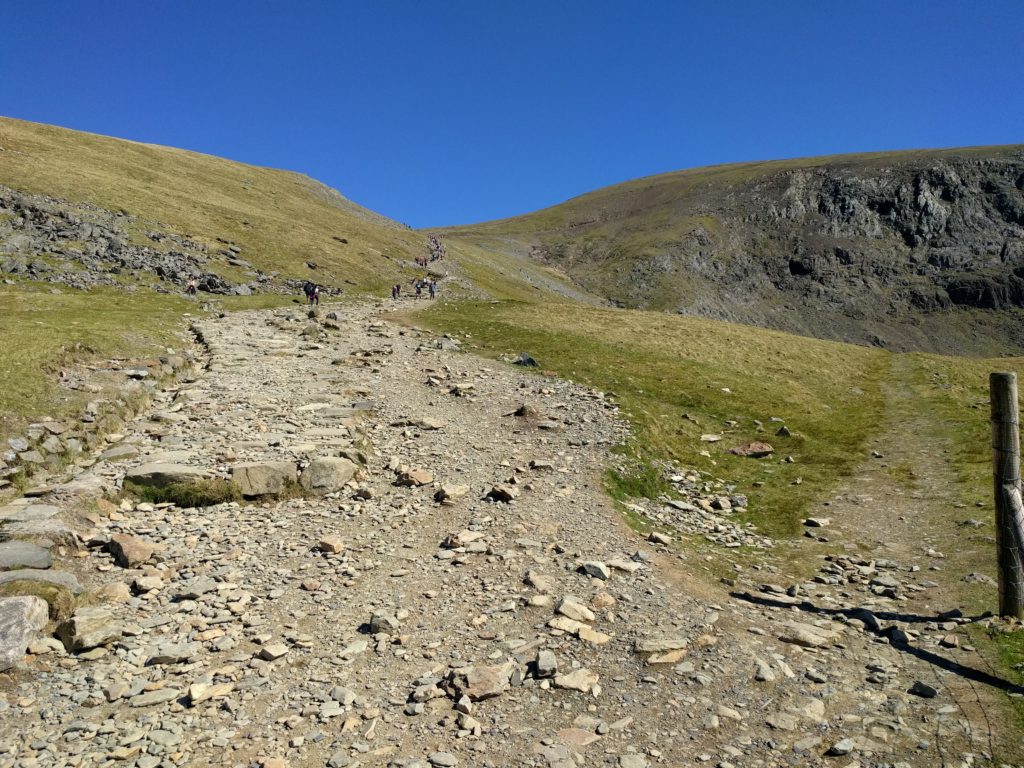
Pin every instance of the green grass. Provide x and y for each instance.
(43, 332)
(204, 493)
(677, 378)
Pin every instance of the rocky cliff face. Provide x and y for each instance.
(920, 250)
(948, 232)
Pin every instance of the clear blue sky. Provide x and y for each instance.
(450, 112)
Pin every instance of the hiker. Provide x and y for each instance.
(433, 288)
(314, 297)
(419, 289)
(191, 288)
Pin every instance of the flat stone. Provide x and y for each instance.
(660, 644)
(571, 607)
(264, 478)
(23, 554)
(413, 478)
(782, 721)
(59, 578)
(755, 450)
(273, 651)
(483, 682)
(449, 493)
(200, 692)
(117, 452)
(842, 747)
(21, 619)
(581, 679)
(24, 513)
(807, 635)
(327, 475)
(159, 696)
(173, 653)
(923, 690)
(578, 737)
(155, 475)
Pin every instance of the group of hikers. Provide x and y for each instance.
(437, 252)
(419, 286)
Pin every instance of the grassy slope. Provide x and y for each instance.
(43, 331)
(280, 219)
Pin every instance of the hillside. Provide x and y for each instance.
(89, 210)
(918, 250)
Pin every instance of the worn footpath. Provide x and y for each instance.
(427, 572)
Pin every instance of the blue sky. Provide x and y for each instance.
(439, 112)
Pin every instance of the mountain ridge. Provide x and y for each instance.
(897, 249)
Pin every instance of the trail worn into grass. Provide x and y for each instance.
(905, 504)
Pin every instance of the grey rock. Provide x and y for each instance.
(596, 569)
(327, 474)
(546, 664)
(123, 451)
(60, 578)
(18, 554)
(89, 627)
(162, 475)
(264, 478)
(21, 619)
(923, 690)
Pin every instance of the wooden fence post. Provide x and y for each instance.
(1007, 488)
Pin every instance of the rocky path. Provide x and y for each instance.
(451, 588)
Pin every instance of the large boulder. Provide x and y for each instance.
(263, 478)
(163, 475)
(327, 474)
(21, 618)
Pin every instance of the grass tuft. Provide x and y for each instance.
(204, 493)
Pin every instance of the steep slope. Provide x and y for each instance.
(907, 250)
(99, 210)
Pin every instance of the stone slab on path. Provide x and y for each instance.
(154, 475)
(16, 554)
(264, 478)
(60, 578)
